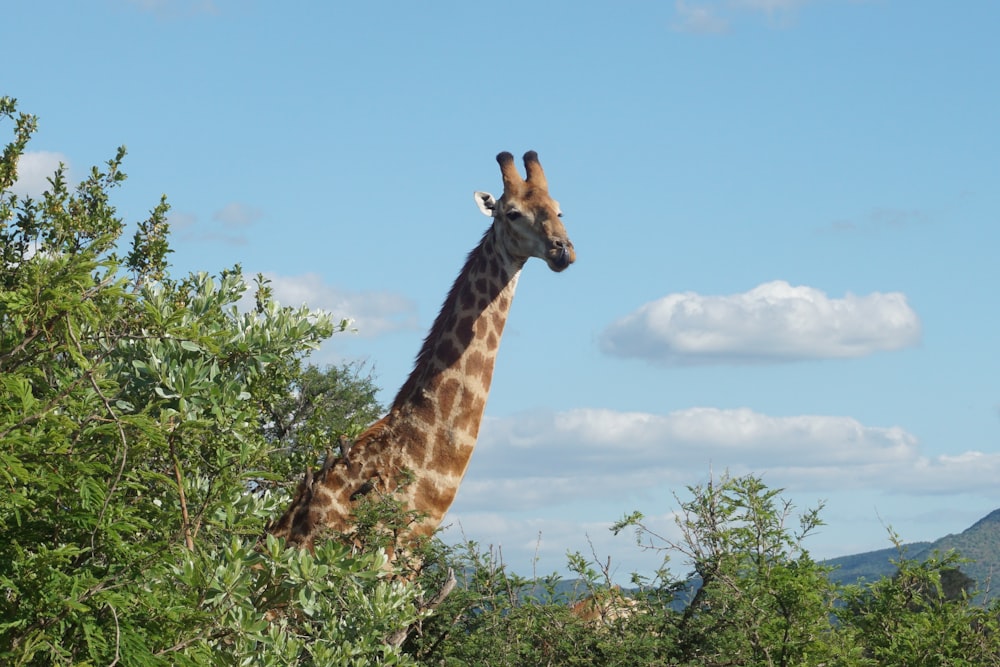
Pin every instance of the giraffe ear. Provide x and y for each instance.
(487, 204)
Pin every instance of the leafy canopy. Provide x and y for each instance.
(148, 429)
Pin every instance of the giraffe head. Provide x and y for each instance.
(526, 216)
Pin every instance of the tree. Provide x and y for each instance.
(754, 597)
(920, 616)
(759, 598)
(497, 618)
(313, 408)
(139, 457)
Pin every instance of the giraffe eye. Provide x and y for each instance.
(513, 214)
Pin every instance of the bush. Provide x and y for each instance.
(139, 458)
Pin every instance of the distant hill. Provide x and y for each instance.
(980, 543)
(873, 565)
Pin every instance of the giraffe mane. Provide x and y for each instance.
(423, 365)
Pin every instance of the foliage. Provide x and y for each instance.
(497, 618)
(140, 458)
(919, 616)
(313, 408)
(754, 597)
(150, 428)
(759, 598)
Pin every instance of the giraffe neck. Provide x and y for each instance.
(432, 426)
(463, 341)
(443, 400)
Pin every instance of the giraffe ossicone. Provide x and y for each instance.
(432, 426)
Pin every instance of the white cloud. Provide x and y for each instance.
(34, 168)
(236, 214)
(371, 313)
(546, 459)
(773, 322)
(566, 476)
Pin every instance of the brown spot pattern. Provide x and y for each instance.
(446, 395)
(464, 330)
(448, 352)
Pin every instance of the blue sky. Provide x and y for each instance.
(786, 215)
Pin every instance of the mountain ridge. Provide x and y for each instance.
(979, 545)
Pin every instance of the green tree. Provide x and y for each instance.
(754, 596)
(758, 597)
(138, 452)
(497, 618)
(313, 407)
(919, 617)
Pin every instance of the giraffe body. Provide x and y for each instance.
(433, 423)
(604, 608)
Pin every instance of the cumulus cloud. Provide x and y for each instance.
(371, 313)
(546, 482)
(34, 168)
(774, 322)
(544, 459)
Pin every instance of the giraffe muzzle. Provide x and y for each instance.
(561, 255)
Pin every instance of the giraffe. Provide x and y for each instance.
(432, 426)
(604, 607)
